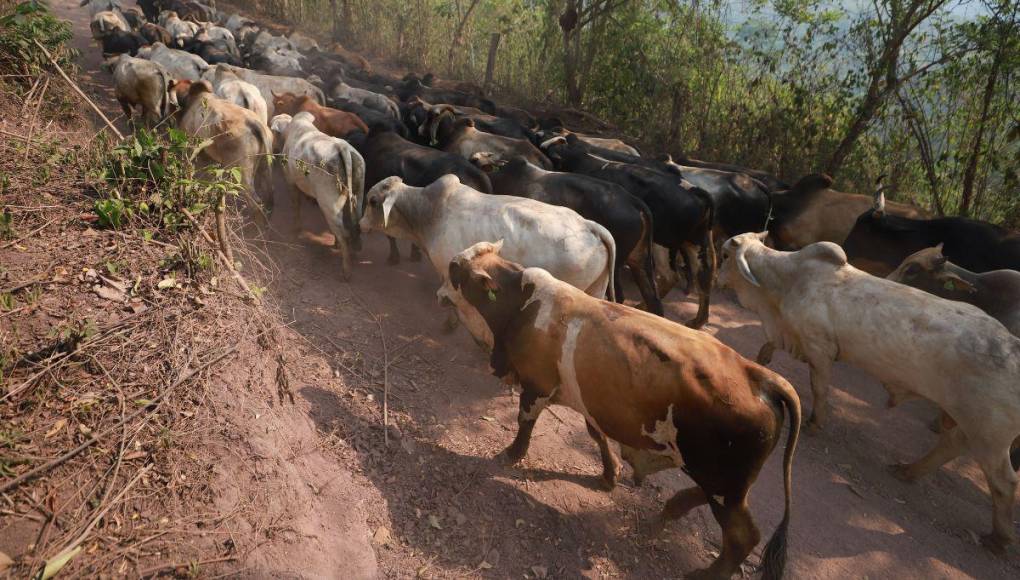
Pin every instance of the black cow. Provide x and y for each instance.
(386, 153)
(879, 241)
(120, 42)
(211, 53)
(375, 119)
(626, 217)
(683, 218)
(742, 204)
(503, 126)
(414, 88)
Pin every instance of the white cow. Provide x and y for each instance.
(97, 6)
(446, 217)
(220, 37)
(180, 30)
(107, 21)
(328, 170)
(266, 84)
(244, 94)
(368, 98)
(180, 64)
(138, 82)
(820, 309)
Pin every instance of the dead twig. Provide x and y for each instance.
(35, 115)
(173, 567)
(223, 257)
(74, 86)
(282, 384)
(147, 410)
(28, 235)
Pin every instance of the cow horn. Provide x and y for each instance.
(744, 267)
(550, 142)
(880, 196)
(387, 207)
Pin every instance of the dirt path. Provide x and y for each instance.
(440, 506)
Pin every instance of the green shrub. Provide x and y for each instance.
(30, 21)
(150, 177)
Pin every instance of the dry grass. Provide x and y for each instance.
(105, 369)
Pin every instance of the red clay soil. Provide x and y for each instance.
(438, 505)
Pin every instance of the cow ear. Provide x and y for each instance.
(387, 207)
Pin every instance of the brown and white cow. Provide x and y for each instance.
(671, 396)
(820, 309)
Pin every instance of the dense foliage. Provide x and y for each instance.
(922, 90)
(21, 26)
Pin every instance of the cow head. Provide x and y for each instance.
(488, 161)
(932, 272)
(285, 102)
(735, 265)
(553, 146)
(381, 210)
(491, 285)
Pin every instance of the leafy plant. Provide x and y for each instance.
(6, 225)
(32, 21)
(151, 178)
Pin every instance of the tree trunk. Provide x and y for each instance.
(970, 174)
(490, 63)
(458, 37)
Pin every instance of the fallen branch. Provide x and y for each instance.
(149, 409)
(28, 235)
(223, 258)
(74, 86)
(35, 115)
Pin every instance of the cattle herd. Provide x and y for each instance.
(530, 227)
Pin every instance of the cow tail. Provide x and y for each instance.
(649, 225)
(773, 560)
(164, 99)
(768, 195)
(319, 95)
(262, 177)
(707, 243)
(610, 244)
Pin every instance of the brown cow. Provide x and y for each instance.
(330, 121)
(670, 395)
(351, 58)
(812, 212)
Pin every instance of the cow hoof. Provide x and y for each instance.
(704, 574)
(451, 323)
(415, 254)
(812, 426)
(995, 543)
(695, 323)
(511, 456)
(902, 472)
(608, 482)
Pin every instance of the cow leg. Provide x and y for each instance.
(740, 536)
(610, 464)
(618, 284)
(643, 270)
(296, 199)
(415, 253)
(702, 268)
(126, 107)
(530, 408)
(821, 373)
(765, 353)
(1002, 483)
(951, 444)
(341, 239)
(678, 506)
(394, 257)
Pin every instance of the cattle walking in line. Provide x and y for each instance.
(812, 212)
(328, 170)
(671, 396)
(139, 82)
(683, 218)
(448, 216)
(996, 292)
(388, 154)
(880, 241)
(820, 309)
(330, 121)
(626, 217)
(238, 137)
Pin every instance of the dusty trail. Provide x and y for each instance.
(442, 507)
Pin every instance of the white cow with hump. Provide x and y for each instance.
(446, 217)
(328, 170)
(820, 309)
